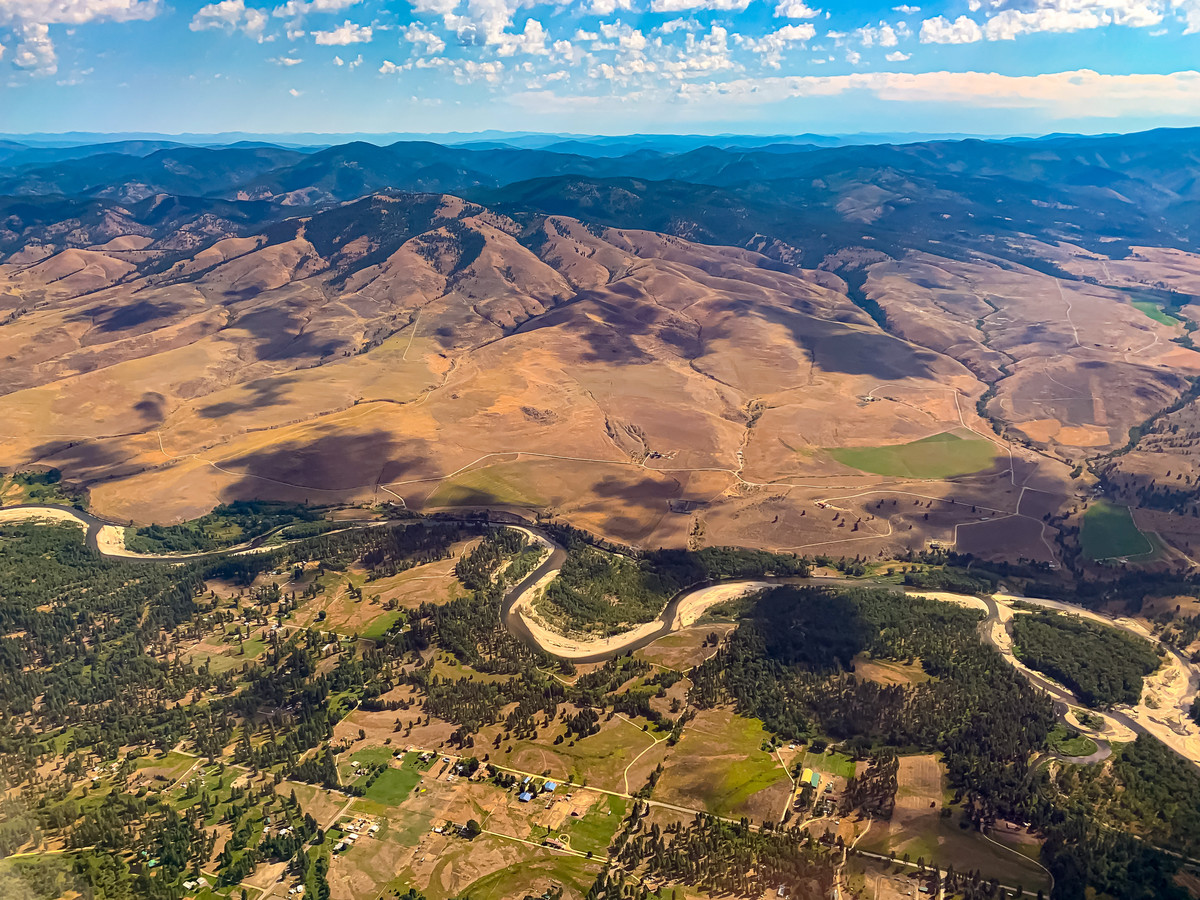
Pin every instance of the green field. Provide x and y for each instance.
(542, 869)
(1108, 532)
(943, 455)
(393, 786)
(1060, 741)
(1155, 311)
(500, 484)
(379, 626)
(595, 830)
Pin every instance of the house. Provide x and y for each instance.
(806, 776)
(525, 796)
(815, 780)
(549, 787)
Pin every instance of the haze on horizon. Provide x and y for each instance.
(598, 66)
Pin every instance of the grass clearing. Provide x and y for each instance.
(719, 765)
(393, 786)
(595, 830)
(1061, 741)
(1109, 532)
(1156, 312)
(503, 484)
(942, 455)
(532, 876)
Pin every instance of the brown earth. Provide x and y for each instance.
(633, 382)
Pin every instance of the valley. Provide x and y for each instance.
(432, 522)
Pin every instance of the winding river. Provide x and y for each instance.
(517, 613)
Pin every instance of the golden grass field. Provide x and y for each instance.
(638, 384)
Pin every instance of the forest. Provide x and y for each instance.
(1102, 666)
(610, 589)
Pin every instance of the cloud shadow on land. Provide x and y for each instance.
(110, 317)
(329, 464)
(264, 392)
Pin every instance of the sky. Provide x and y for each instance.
(598, 66)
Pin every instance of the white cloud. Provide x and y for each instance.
(582, 36)
(940, 30)
(701, 56)
(1190, 10)
(882, 35)
(1079, 93)
(670, 6)
(627, 38)
(898, 56)
(906, 10)
(286, 61)
(230, 16)
(389, 68)
(295, 93)
(608, 7)
(35, 52)
(297, 8)
(346, 33)
(672, 25)
(470, 71)
(771, 47)
(418, 34)
(532, 41)
(77, 12)
(795, 9)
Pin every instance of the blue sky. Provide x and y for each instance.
(598, 66)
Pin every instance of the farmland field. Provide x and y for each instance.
(719, 765)
(942, 455)
(1109, 531)
(1156, 312)
(393, 786)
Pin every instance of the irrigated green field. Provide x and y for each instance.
(942, 455)
(1109, 532)
(1155, 311)
(394, 785)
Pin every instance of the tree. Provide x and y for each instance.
(472, 829)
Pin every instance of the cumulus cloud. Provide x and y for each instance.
(35, 52)
(285, 61)
(670, 6)
(940, 30)
(470, 71)
(230, 16)
(898, 56)
(795, 9)
(77, 12)
(906, 10)
(608, 7)
(882, 35)
(296, 8)
(531, 40)
(418, 34)
(771, 47)
(1190, 11)
(346, 33)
